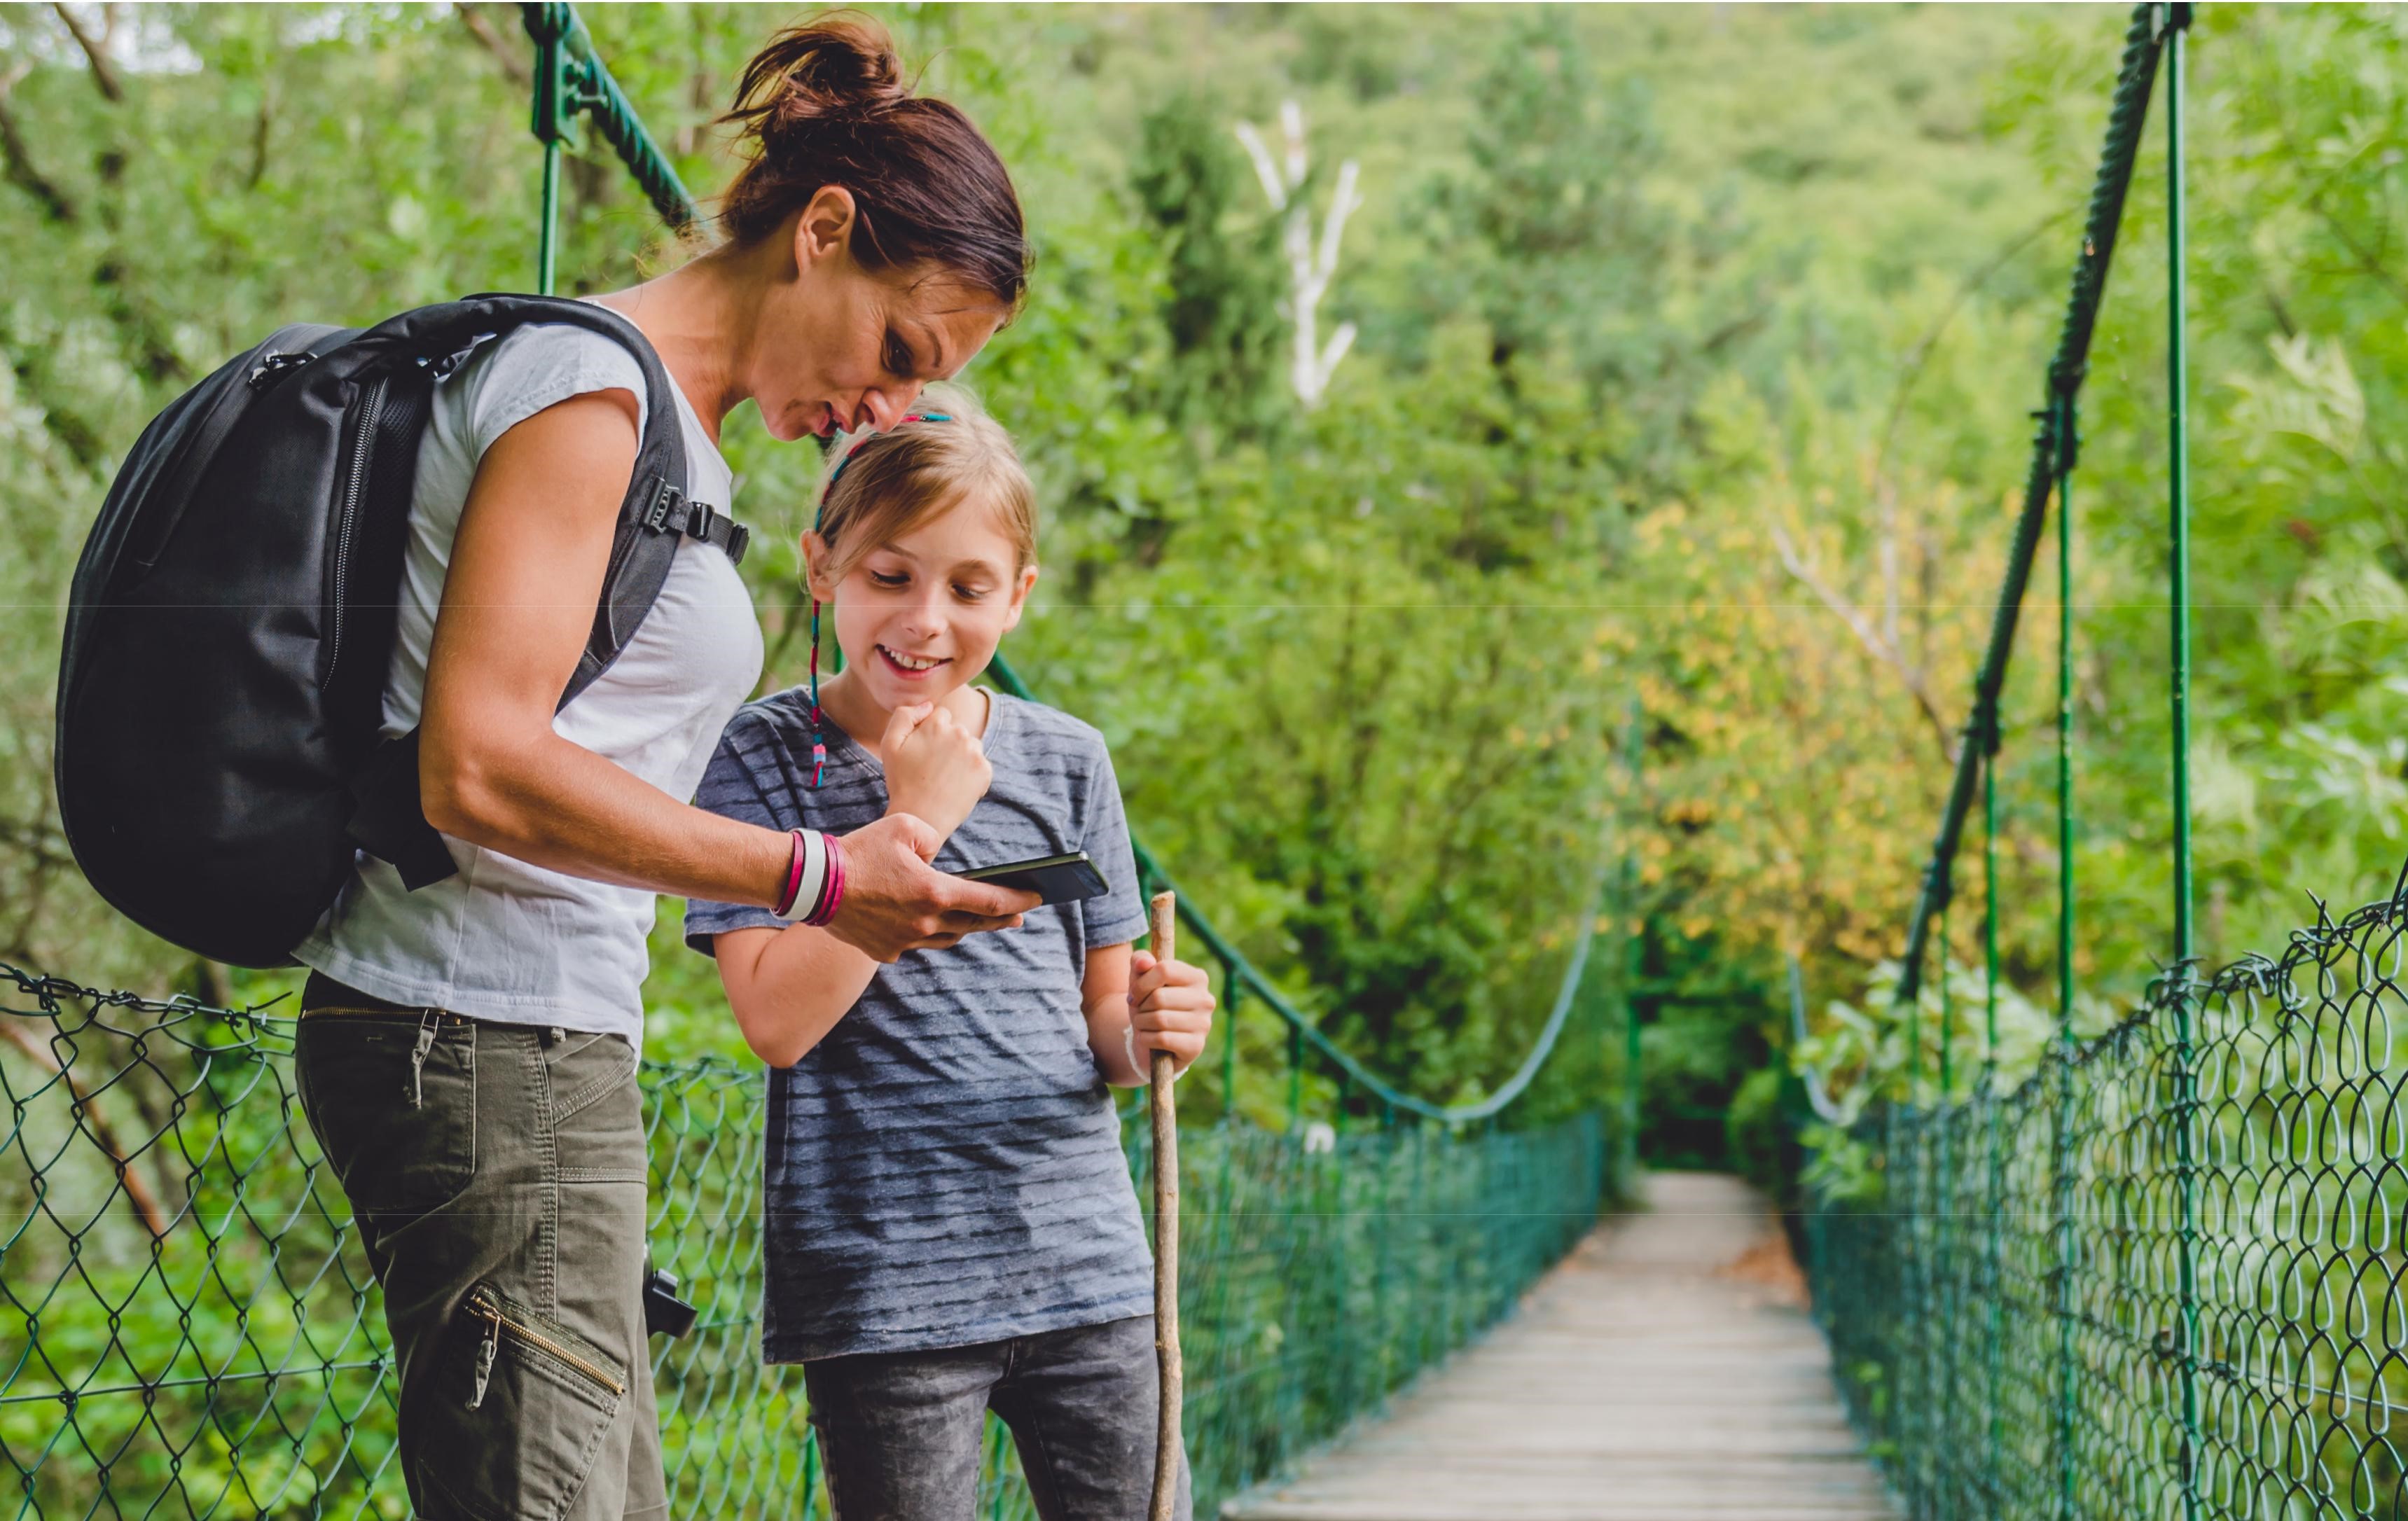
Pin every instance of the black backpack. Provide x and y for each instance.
(222, 680)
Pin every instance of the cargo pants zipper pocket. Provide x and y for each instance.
(499, 1320)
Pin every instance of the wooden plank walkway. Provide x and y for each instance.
(1666, 1372)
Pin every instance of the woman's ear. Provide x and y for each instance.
(817, 558)
(1019, 599)
(825, 228)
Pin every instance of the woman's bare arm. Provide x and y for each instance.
(518, 600)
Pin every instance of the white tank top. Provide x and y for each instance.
(502, 939)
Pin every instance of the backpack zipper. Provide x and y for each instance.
(355, 482)
(487, 1306)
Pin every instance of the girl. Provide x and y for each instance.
(949, 1221)
(466, 1053)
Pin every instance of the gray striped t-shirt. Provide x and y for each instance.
(945, 1167)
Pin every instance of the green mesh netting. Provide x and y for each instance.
(188, 1330)
(2015, 1311)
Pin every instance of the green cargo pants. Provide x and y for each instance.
(497, 1175)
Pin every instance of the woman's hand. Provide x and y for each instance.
(1170, 1009)
(895, 902)
(935, 770)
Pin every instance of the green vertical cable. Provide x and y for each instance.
(1990, 913)
(1915, 1046)
(2069, 443)
(1942, 1235)
(1947, 1007)
(547, 253)
(2178, 482)
(1633, 948)
(547, 27)
(2178, 505)
(1994, 1274)
(1295, 1076)
(1235, 990)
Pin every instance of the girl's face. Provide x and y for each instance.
(919, 617)
(837, 347)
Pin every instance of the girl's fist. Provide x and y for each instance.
(935, 770)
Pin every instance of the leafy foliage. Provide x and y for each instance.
(1697, 352)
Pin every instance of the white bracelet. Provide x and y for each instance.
(814, 877)
(1144, 1068)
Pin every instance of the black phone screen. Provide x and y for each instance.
(1056, 879)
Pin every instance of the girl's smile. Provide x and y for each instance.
(913, 667)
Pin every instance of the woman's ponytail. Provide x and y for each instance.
(826, 103)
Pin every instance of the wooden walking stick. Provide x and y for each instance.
(1164, 916)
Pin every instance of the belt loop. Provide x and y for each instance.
(418, 1057)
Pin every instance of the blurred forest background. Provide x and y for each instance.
(1675, 356)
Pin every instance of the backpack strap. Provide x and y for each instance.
(654, 518)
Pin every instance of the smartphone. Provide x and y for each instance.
(1056, 879)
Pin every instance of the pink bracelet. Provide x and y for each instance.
(794, 878)
(831, 884)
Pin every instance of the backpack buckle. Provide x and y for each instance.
(272, 366)
(666, 500)
(671, 512)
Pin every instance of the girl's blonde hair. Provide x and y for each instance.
(946, 452)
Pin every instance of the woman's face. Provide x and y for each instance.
(920, 616)
(840, 347)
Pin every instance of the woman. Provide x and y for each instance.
(467, 1052)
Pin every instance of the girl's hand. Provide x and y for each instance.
(1170, 1009)
(935, 770)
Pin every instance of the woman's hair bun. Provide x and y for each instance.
(833, 67)
(826, 103)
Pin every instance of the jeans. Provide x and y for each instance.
(900, 1431)
(498, 1176)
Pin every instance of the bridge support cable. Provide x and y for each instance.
(572, 82)
(2105, 1381)
(2184, 1112)
(2126, 114)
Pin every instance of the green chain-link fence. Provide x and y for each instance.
(2016, 1316)
(187, 1327)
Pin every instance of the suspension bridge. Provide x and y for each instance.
(2158, 1276)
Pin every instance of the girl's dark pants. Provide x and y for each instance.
(498, 1173)
(902, 1430)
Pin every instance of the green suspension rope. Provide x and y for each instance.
(571, 80)
(2186, 1105)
